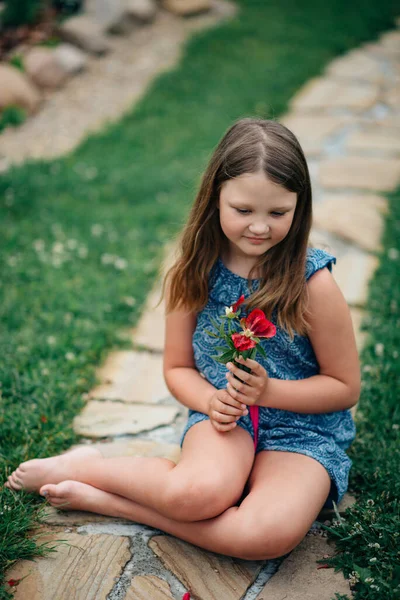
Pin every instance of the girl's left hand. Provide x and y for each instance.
(252, 385)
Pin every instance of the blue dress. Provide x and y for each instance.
(323, 436)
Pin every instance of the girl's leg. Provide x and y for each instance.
(286, 493)
(209, 477)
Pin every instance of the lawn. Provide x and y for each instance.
(82, 236)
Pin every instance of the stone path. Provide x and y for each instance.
(348, 121)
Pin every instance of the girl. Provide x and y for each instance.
(247, 233)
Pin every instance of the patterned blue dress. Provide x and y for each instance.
(324, 436)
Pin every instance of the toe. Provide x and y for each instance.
(49, 490)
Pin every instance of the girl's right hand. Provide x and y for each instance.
(224, 411)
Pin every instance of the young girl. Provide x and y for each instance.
(247, 233)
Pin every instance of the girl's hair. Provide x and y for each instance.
(249, 146)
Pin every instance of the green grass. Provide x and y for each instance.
(368, 536)
(82, 236)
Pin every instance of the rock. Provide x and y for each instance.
(376, 140)
(70, 58)
(111, 16)
(143, 11)
(84, 32)
(132, 377)
(103, 419)
(299, 576)
(150, 331)
(146, 587)
(357, 65)
(208, 575)
(356, 218)
(43, 68)
(313, 130)
(184, 8)
(364, 173)
(85, 566)
(323, 94)
(16, 89)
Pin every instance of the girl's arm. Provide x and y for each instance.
(337, 386)
(181, 376)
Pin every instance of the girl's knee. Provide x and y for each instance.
(197, 499)
(262, 539)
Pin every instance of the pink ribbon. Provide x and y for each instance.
(253, 410)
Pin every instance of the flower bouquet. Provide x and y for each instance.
(242, 339)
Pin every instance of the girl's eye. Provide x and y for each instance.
(243, 211)
(277, 214)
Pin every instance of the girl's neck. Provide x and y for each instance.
(239, 266)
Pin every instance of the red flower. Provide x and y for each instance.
(13, 582)
(242, 342)
(256, 324)
(238, 303)
(43, 419)
(186, 596)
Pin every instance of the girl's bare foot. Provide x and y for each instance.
(33, 474)
(74, 495)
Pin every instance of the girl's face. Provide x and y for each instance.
(255, 214)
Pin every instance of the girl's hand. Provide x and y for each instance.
(224, 411)
(252, 385)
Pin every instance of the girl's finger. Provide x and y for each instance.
(223, 428)
(238, 395)
(223, 418)
(227, 409)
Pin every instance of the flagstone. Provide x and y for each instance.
(103, 419)
(357, 65)
(132, 376)
(312, 131)
(357, 316)
(323, 93)
(76, 518)
(375, 139)
(299, 576)
(353, 269)
(86, 566)
(356, 218)
(368, 173)
(146, 587)
(150, 331)
(206, 574)
(392, 95)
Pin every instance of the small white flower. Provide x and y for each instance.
(373, 559)
(68, 318)
(393, 253)
(58, 247)
(375, 587)
(70, 356)
(120, 263)
(395, 426)
(129, 301)
(97, 230)
(82, 252)
(51, 340)
(22, 349)
(12, 261)
(45, 371)
(107, 259)
(90, 173)
(370, 502)
(379, 349)
(38, 245)
(395, 354)
(228, 310)
(72, 244)
(369, 580)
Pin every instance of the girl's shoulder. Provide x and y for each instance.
(318, 259)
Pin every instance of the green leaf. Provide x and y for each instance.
(261, 350)
(222, 329)
(210, 333)
(220, 348)
(214, 322)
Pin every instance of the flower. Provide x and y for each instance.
(242, 342)
(13, 582)
(231, 311)
(257, 325)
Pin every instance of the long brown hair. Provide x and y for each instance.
(249, 146)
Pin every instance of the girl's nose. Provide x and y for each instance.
(259, 228)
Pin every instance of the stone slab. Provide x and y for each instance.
(148, 587)
(353, 269)
(150, 331)
(322, 94)
(207, 575)
(375, 140)
(357, 65)
(356, 218)
(84, 568)
(184, 8)
(299, 576)
(103, 419)
(312, 131)
(357, 316)
(85, 33)
(76, 518)
(356, 172)
(131, 376)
